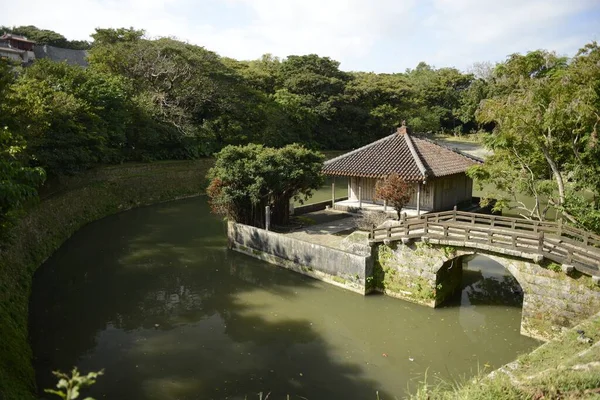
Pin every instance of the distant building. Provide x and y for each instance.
(16, 48)
(436, 172)
(20, 49)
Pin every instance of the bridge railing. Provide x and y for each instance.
(552, 240)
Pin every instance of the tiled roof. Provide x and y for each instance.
(8, 36)
(411, 157)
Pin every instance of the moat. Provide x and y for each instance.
(153, 297)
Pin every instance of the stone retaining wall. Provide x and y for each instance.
(334, 266)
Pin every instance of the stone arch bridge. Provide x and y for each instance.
(557, 267)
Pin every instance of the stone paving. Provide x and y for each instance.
(325, 233)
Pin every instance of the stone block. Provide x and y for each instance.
(567, 269)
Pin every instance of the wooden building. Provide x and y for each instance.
(16, 48)
(17, 42)
(436, 172)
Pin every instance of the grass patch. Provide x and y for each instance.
(67, 205)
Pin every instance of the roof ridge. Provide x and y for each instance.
(359, 149)
(453, 149)
(415, 155)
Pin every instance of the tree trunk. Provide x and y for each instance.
(557, 175)
(281, 211)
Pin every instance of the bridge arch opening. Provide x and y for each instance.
(475, 279)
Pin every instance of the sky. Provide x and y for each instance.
(375, 35)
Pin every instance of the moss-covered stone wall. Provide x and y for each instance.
(427, 274)
(68, 205)
(410, 271)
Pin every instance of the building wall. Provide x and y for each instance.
(367, 190)
(10, 56)
(436, 195)
(451, 190)
(427, 196)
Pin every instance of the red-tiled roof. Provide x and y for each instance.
(411, 157)
(8, 36)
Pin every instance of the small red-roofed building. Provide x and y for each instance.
(436, 172)
(16, 48)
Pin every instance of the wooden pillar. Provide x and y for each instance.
(267, 217)
(333, 193)
(419, 199)
(349, 188)
(359, 192)
(385, 205)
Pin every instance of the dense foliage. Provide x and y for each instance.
(246, 179)
(395, 191)
(145, 99)
(18, 182)
(545, 141)
(45, 36)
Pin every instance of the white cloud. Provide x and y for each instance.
(356, 32)
(476, 29)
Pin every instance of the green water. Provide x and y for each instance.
(324, 193)
(153, 297)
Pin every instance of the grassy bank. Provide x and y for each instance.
(565, 368)
(66, 206)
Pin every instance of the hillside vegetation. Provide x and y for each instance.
(160, 100)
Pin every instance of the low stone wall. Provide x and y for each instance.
(331, 265)
(66, 205)
(308, 208)
(427, 273)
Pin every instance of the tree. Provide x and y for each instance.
(395, 190)
(545, 114)
(436, 97)
(71, 117)
(246, 179)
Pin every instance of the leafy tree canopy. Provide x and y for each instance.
(18, 182)
(545, 136)
(246, 179)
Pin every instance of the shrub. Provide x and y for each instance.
(366, 220)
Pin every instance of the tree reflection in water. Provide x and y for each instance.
(487, 282)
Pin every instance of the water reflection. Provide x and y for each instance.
(154, 298)
(487, 282)
(486, 285)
